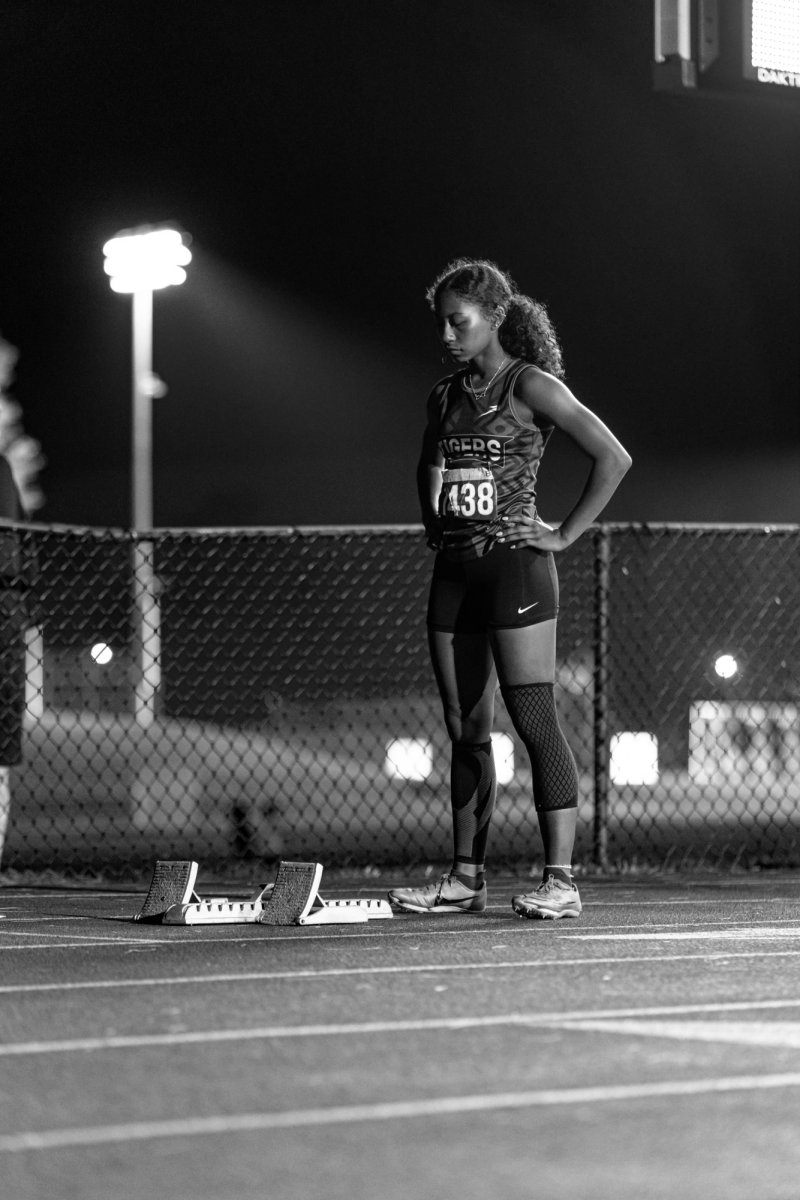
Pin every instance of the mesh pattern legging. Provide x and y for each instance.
(532, 708)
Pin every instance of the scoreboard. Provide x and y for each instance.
(771, 42)
(748, 48)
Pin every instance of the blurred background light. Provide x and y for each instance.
(102, 653)
(634, 758)
(409, 758)
(726, 666)
(503, 748)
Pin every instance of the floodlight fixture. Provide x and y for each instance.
(146, 259)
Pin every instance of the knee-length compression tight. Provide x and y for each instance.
(532, 709)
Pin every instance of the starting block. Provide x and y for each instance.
(172, 883)
(293, 899)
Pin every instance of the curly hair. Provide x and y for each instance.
(526, 332)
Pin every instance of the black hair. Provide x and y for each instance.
(526, 332)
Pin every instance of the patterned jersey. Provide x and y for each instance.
(491, 459)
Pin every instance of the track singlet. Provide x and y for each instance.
(491, 460)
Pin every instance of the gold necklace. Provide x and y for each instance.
(480, 395)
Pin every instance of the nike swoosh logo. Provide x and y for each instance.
(492, 409)
(522, 610)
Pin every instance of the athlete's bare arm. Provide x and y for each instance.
(429, 472)
(544, 398)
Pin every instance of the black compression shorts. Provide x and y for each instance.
(504, 589)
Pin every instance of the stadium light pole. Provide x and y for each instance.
(139, 261)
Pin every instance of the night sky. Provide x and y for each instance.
(328, 158)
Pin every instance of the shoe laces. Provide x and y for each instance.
(448, 877)
(435, 888)
(553, 884)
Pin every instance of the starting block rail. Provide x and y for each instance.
(293, 899)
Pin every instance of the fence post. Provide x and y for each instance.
(602, 560)
(147, 618)
(34, 675)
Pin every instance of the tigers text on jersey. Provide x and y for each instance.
(491, 459)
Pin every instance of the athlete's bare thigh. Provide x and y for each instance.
(526, 655)
(464, 669)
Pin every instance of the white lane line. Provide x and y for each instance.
(783, 1034)
(394, 1110)
(10, 989)
(185, 938)
(434, 929)
(45, 920)
(604, 1021)
(70, 894)
(747, 934)
(721, 901)
(310, 976)
(89, 945)
(93, 938)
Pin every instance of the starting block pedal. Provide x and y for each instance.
(172, 883)
(293, 895)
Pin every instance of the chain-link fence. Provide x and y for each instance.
(249, 694)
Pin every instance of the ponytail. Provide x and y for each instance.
(527, 332)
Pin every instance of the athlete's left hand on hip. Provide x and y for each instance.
(524, 531)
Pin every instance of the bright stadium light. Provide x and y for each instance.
(726, 666)
(409, 758)
(102, 653)
(634, 759)
(145, 260)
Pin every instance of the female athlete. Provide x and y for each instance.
(494, 594)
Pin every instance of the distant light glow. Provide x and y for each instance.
(726, 666)
(102, 653)
(503, 749)
(776, 35)
(634, 758)
(409, 758)
(147, 260)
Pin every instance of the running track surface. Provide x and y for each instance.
(649, 1049)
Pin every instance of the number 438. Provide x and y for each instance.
(467, 500)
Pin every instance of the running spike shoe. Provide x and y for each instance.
(447, 895)
(550, 901)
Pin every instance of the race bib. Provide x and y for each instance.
(469, 493)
